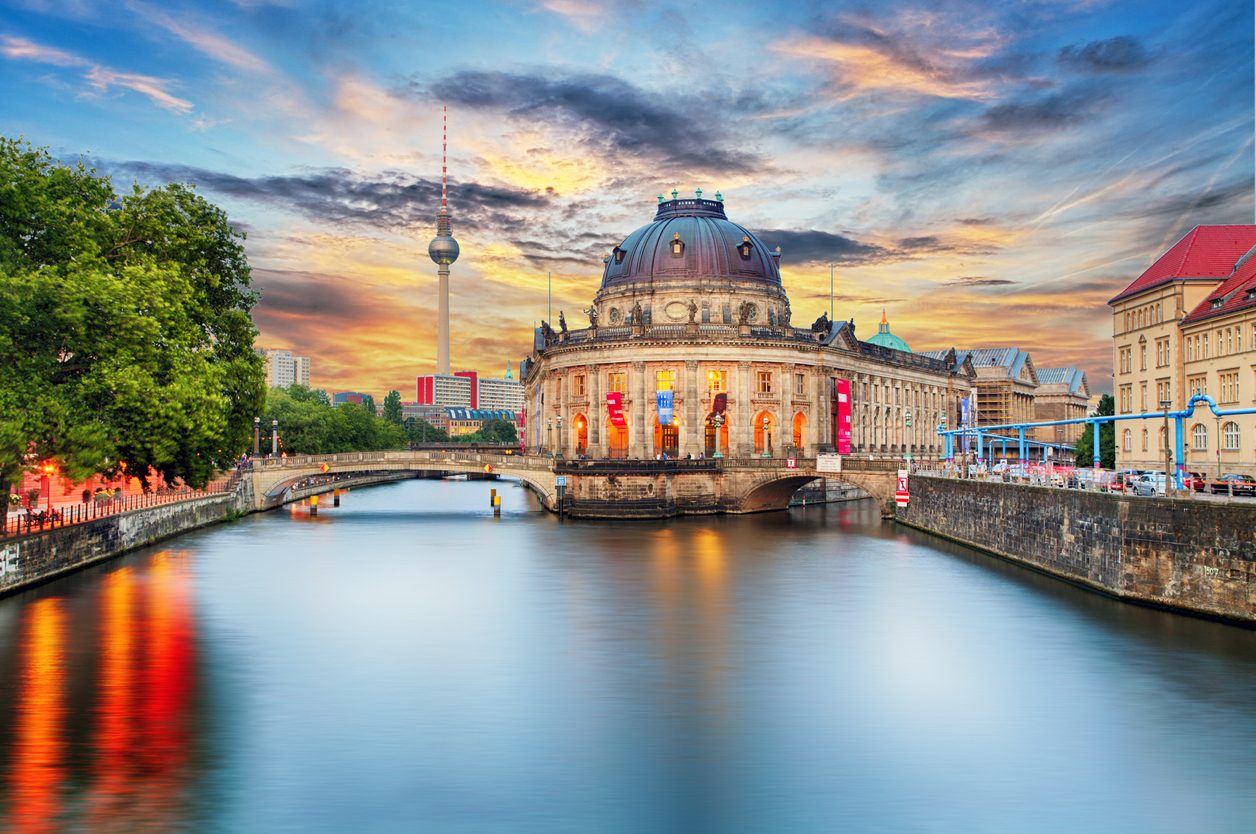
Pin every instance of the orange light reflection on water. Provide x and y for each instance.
(38, 769)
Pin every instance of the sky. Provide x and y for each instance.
(989, 174)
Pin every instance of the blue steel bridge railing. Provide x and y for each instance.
(1095, 421)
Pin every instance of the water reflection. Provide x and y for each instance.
(105, 686)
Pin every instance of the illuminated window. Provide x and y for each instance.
(765, 382)
(665, 381)
(717, 382)
(615, 382)
(678, 246)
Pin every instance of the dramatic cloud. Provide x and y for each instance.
(978, 281)
(338, 195)
(612, 116)
(1046, 112)
(815, 247)
(1120, 54)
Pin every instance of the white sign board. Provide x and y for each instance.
(828, 463)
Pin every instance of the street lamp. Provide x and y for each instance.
(274, 437)
(560, 444)
(1169, 487)
(549, 432)
(767, 437)
(257, 434)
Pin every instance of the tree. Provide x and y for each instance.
(368, 402)
(1107, 437)
(125, 335)
(419, 430)
(497, 431)
(392, 408)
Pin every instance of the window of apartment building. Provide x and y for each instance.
(717, 382)
(1199, 437)
(1142, 357)
(1190, 350)
(1197, 385)
(577, 386)
(1142, 396)
(1204, 355)
(1125, 399)
(1145, 438)
(615, 382)
(1127, 443)
(1230, 437)
(764, 385)
(1162, 353)
(800, 384)
(664, 380)
(1229, 341)
(1229, 386)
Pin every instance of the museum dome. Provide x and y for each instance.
(691, 239)
(886, 339)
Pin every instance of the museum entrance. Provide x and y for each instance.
(666, 439)
(616, 440)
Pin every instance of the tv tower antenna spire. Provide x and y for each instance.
(444, 251)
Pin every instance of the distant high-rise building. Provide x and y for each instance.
(444, 390)
(501, 394)
(283, 369)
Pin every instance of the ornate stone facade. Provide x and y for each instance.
(693, 304)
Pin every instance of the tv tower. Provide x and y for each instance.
(443, 250)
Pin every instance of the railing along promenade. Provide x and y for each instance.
(25, 522)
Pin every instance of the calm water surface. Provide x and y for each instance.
(408, 663)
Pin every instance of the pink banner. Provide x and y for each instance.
(615, 408)
(842, 393)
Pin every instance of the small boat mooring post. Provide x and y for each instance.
(313, 505)
(335, 498)
(492, 497)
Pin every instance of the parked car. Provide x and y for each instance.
(1196, 481)
(1233, 483)
(1150, 483)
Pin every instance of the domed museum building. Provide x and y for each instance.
(691, 349)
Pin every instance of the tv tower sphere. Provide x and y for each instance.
(443, 249)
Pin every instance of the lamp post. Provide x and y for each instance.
(274, 437)
(560, 444)
(549, 432)
(767, 436)
(1169, 487)
(257, 434)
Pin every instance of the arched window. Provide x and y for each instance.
(580, 429)
(616, 440)
(800, 427)
(1199, 437)
(1127, 441)
(764, 429)
(1230, 437)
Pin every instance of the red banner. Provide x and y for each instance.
(615, 408)
(842, 392)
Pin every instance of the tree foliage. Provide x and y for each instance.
(309, 425)
(392, 408)
(1107, 437)
(125, 335)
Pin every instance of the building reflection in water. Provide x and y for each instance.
(106, 688)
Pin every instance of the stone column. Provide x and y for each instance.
(597, 413)
(640, 446)
(787, 412)
(692, 436)
(741, 443)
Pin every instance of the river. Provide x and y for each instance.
(409, 663)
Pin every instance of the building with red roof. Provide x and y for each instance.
(1187, 324)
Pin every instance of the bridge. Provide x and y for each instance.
(591, 488)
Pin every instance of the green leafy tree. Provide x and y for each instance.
(497, 431)
(392, 408)
(124, 326)
(1107, 437)
(419, 430)
(368, 402)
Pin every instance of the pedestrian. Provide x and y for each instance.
(87, 496)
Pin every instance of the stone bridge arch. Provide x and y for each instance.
(774, 491)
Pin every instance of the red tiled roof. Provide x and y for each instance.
(1237, 292)
(1205, 252)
